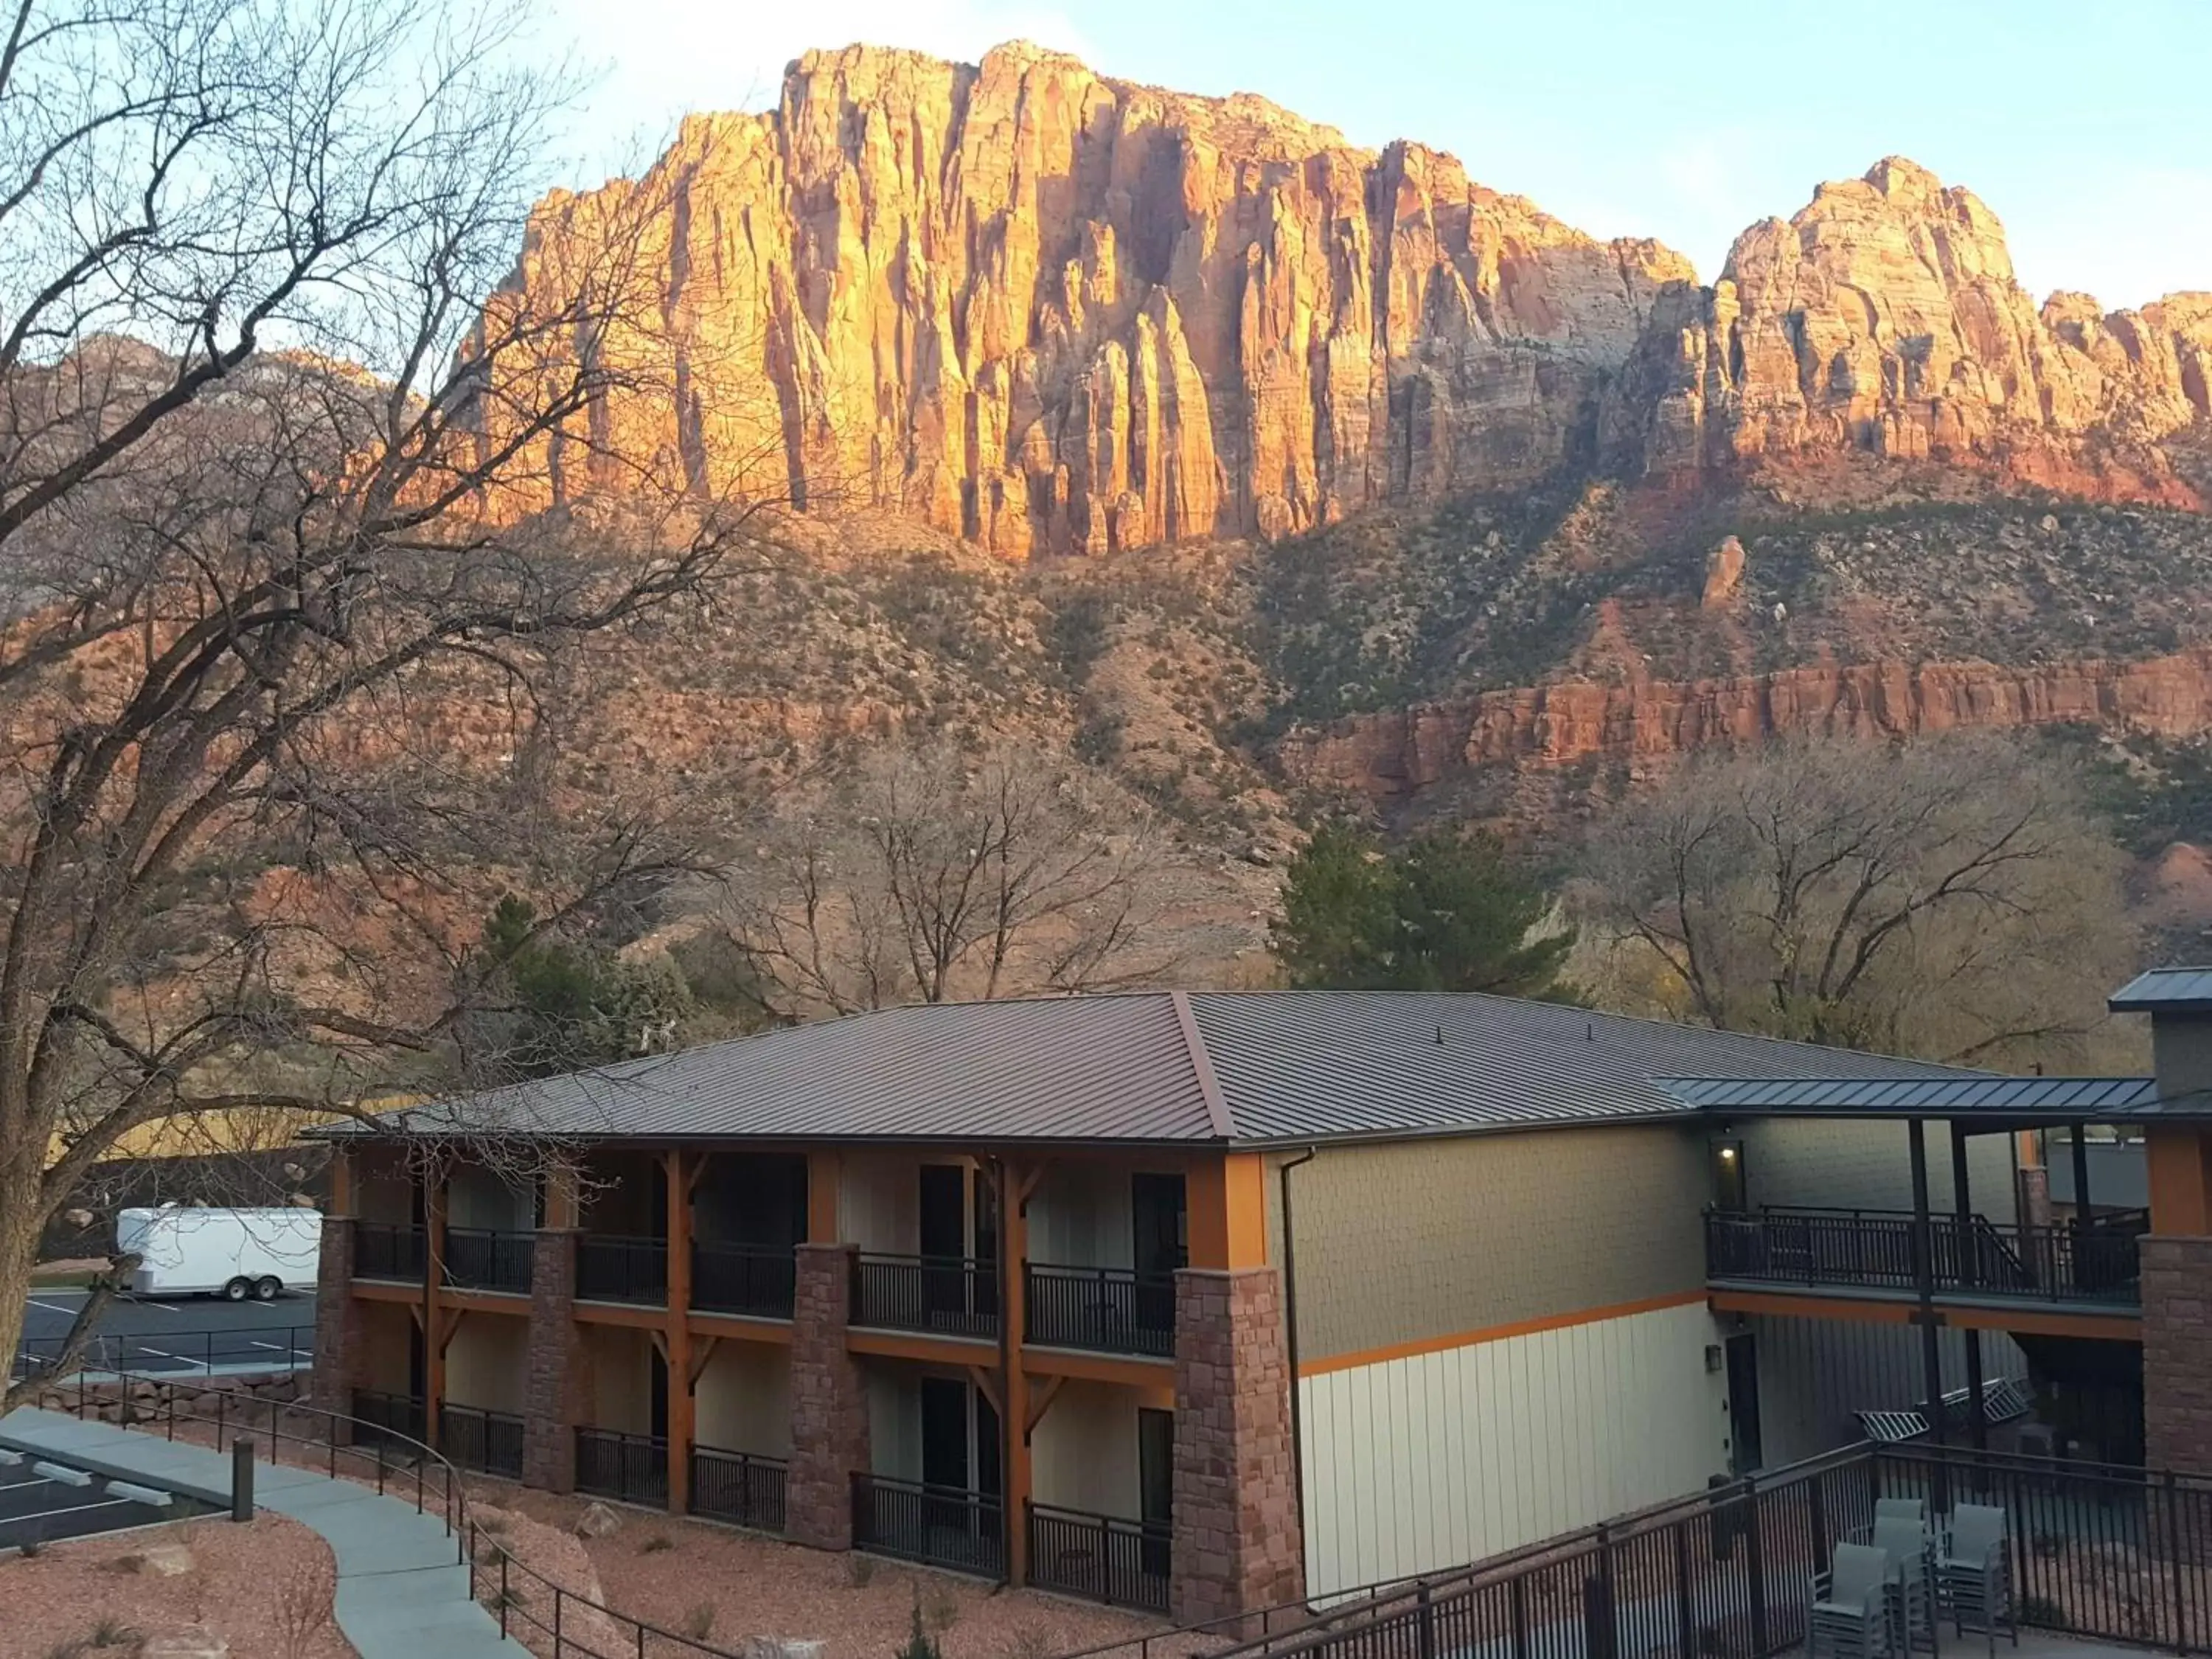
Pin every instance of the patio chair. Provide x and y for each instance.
(1912, 1580)
(1850, 1617)
(1914, 1509)
(1973, 1573)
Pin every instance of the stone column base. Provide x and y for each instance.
(2176, 1337)
(828, 1403)
(341, 1339)
(1239, 1543)
(557, 1389)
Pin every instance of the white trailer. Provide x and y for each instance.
(234, 1253)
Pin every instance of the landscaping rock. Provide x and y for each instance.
(597, 1521)
(162, 1561)
(184, 1642)
(778, 1647)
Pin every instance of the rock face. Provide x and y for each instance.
(1724, 573)
(1052, 312)
(1398, 754)
(1885, 318)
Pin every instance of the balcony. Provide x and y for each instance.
(1104, 1310)
(942, 1295)
(938, 1526)
(382, 1249)
(630, 1467)
(1100, 1557)
(478, 1259)
(738, 1488)
(743, 1279)
(1970, 1258)
(488, 1441)
(610, 1269)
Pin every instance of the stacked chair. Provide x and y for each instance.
(1973, 1573)
(1903, 1539)
(1851, 1617)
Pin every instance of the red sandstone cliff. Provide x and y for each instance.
(1398, 754)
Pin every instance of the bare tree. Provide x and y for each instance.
(929, 873)
(1953, 899)
(274, 623)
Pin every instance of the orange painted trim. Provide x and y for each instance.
(1227, 1199)
(1346, 1362)
(825, 1176)
(739, 1328)
(2118, 1326)
(2179, 1163)
(1146, 1374)
(929, 1350)
(387, 1290)
(496, 1301)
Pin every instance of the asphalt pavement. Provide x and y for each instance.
(180, 1336)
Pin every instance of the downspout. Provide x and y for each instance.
(1291, 1336)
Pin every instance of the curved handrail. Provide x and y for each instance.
(471, 1541)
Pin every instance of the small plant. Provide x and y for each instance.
(509, 1600)
(860, 1570)
(656, 1542)
(940, 1607)
(305, 1604)
(699, 1623)
(920, 1644)
(1028, 1641)
(113, 1632)
(491, 1521)
(2042, 1610)
(31, 1547)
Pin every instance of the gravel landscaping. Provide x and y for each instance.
(263, 1588)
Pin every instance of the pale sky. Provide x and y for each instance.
(2087, 128)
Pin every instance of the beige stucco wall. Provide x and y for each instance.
(744, 1400)
(488, 1362)
(2181, 1054)
(1843, 1165)
(1083, 1454)
(383, 1328)
(621, 1362)
(1417, 1240)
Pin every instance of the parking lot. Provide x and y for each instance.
(183, 1337)
(41, 1502)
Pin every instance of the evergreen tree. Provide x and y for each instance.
(1442, 913)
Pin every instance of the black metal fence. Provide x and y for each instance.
(385, 1414)
(949, 1296)
(1107, 1309)
(383, 1250)
(1970, 1256)
(473, 1438)
(180, 1353)
(633, 1467)
(738, 1487)
(940, 1525)
(610, 1269)
(478, 1259)
(743, 1278)
(1100, 1557)
(2106, 1553)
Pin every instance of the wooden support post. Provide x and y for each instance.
(2080, 1187)
(824, 1174)
(681, 1400)
(1970, 1271)
(341, 1179)
(562, 1206)
(434, 1275)
(1015, 1184)
(1923, 1279)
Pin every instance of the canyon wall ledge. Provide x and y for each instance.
(1396, 755)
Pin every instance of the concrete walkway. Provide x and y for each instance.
(401, 1593)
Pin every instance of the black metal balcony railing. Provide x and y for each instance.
(610, 1269)
(1876, 1249)
(940, 1525)
(1107, 1309)
(382, 1249)
(478, 1259)
(1098, 1556)
(949, 1296)
(738, 1486)
(383, 1414)
(473, 1438)
(743, 1278)
(633, 1467)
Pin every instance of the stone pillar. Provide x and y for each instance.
(555, 1399)
(341, 1339)
(2177, 1334)
(2035, 1198)
(828, 1403)
(1239, 1541)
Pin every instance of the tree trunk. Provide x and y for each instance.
(22, 1223)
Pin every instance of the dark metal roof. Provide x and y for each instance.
(2062, 1099)
(1297, 1065)
(1088, 1068)
(2176, 990)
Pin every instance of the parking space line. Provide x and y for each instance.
(50, 1308)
